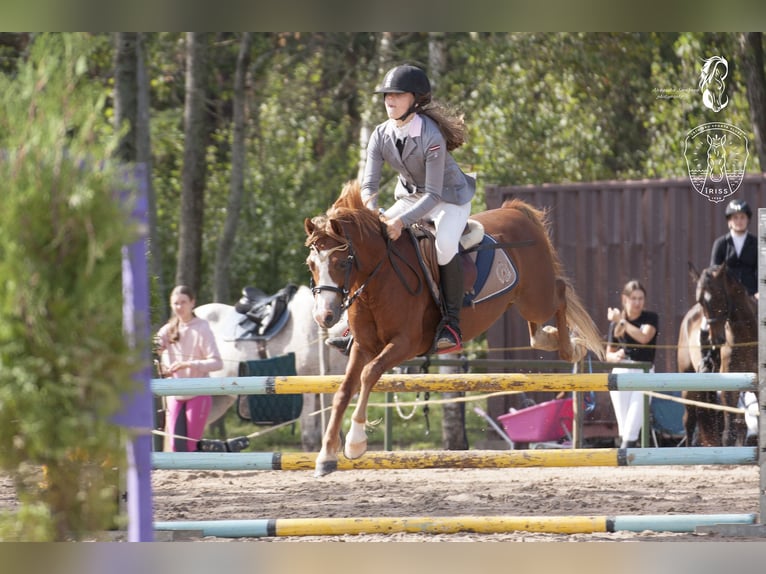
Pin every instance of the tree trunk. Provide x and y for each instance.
(193, 173)
(371, 108)
(221, 289)
(453, 421)
(453, 414)
(751, 48)
(126, 93)
(144, 156)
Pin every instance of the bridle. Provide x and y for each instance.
(728, 316)
(347, 298)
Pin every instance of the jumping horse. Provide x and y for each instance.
(393, 317)
(730, 312)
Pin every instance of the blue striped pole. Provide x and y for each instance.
(377, 460)
(466, 382)
(437, 525)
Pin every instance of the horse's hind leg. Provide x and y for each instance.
(543, 337)
(550, 338)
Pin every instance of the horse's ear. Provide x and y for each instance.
(337, 227)
(693, 273)
(308, 225)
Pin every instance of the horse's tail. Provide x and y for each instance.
(577, 316)
(582, 322)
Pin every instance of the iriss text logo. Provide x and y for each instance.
(716, 155)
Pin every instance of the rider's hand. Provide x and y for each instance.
(394, 228)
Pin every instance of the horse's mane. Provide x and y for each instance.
(348, 208)
(541, 219)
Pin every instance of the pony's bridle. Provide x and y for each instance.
(729, 316)
(351, 260)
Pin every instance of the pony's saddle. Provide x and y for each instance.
(258, 316)
(488, 271)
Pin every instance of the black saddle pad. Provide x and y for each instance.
(269, 409)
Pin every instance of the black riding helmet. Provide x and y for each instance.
(737, 205)
(407, 78)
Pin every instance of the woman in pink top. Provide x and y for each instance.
(187, 349)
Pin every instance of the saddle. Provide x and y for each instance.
(261, 316)
(487, 270)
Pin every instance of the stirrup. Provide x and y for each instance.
(448, 341)
(343, 344)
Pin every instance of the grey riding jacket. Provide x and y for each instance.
(426, 169)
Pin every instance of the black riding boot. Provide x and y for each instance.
(451, 279)
(343, 343)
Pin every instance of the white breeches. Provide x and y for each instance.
(449, 220)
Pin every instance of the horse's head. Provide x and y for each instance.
(713, 296)
(716, 157)
(332, 260)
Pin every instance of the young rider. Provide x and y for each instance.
(416, 141)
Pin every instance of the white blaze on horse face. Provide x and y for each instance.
(326, 309)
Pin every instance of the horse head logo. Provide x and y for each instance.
(716, 157)
(711, 84)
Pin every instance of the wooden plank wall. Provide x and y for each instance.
(610, 232)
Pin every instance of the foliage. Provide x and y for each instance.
(64, 361)
(540, 108)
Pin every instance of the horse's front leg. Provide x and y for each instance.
(356, 440)
(393, 354)
(690, 418)
(327, 459)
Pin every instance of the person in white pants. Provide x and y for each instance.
(632, 337)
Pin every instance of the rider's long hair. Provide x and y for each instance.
(451, 123)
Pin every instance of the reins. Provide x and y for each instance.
(391, 254)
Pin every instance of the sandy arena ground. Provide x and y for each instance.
(218, 495)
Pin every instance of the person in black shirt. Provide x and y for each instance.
(738, 248)
(632, 337)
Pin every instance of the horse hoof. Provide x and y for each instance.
(325, 467)
(355, 449)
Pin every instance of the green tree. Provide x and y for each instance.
(64, 361)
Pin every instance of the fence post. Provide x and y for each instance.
(762, 359)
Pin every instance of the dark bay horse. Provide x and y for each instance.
(392, 313)
(733, 326)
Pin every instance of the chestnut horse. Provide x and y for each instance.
(393, 315)
(731, 347)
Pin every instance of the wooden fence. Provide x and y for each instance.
(609, 232)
